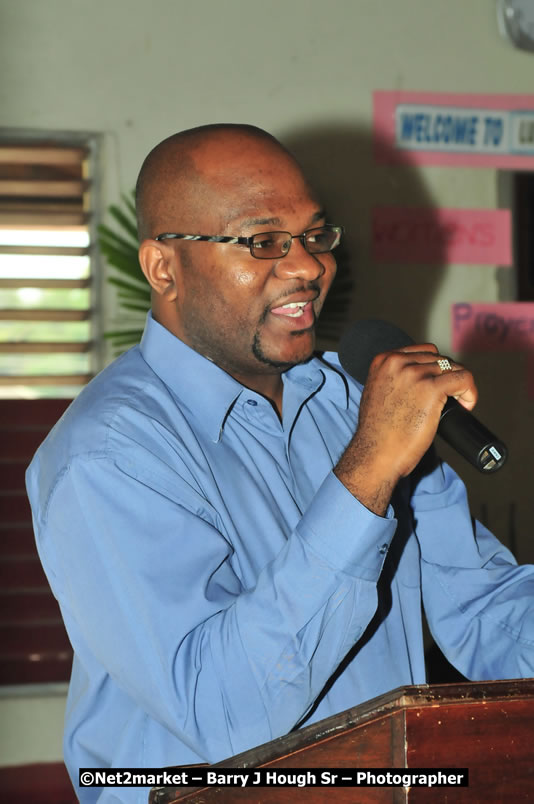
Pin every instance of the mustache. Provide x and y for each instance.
(303, 288)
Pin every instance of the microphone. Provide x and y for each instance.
(458, 427)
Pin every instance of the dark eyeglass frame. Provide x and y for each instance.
(252, 240)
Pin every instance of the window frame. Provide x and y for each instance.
(92, 142)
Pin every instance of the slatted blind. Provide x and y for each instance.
(46, 299)
(48, 315)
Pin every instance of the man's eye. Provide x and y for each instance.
(265, 242)
(319, 237)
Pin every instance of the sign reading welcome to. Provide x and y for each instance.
(461, 129)
(457, 130)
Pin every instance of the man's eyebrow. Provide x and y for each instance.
(260, 222)
(317, 216)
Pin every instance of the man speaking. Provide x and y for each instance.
(239, 539)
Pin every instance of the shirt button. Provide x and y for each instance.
(251, 402)
(383, 548)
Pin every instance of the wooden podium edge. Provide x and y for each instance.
(400, 699)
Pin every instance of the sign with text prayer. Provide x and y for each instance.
(498, 327)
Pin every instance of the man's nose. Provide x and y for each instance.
(299, 263)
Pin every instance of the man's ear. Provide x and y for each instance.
(158, 262)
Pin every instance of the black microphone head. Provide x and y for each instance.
(362, 341)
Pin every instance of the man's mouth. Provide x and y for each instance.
(292, 309)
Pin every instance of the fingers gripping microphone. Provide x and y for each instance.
(458, 427)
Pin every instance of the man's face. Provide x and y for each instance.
(232, 307)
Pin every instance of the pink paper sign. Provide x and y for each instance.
(500, 327)
(503, 327)
(444, 128)
(442, 236)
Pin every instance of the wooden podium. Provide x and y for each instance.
(487, 728)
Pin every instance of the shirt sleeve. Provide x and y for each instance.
(479, 603)
(147, 588)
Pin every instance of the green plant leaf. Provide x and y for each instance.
(133, 305)
(124, 220)
(129, 202)
(120, 250)
(123, 339)
(110, 238)
(123, 332)
(139, 291)
(131, 340)
(124, 262)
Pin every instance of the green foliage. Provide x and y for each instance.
(119, 247)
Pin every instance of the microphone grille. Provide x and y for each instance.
(362, 341)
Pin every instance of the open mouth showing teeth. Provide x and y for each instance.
(296, 308)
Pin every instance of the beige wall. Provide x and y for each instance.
(137, 71)
(31, 719)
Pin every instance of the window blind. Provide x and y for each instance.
(47, 303)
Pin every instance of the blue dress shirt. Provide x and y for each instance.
(213, 572)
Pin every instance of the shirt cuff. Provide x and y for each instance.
(345, 533)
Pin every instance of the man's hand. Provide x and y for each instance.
(399, 415)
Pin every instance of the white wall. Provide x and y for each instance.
(304, 69)
(32, 723)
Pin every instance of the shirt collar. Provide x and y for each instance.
(209, 392)
(322, 373)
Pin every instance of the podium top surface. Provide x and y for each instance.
(419, 703)
(423, 695)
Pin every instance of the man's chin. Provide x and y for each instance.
(284, 359)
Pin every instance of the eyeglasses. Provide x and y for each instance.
(273, 245)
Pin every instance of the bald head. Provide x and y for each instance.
(187, 172)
